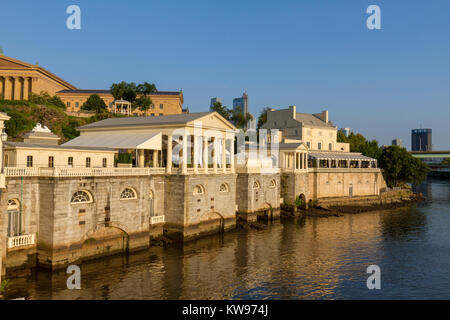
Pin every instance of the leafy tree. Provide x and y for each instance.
(262, 119)
(45, 99)
(222, 110)
(69, 131)
(17, 123)
(399, 166)
(146, 88)
(239, 119)
(358, 143)
(124, 90)
(446, 162)
(95, 103)
(142, 103)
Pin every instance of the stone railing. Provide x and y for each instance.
(80, 172)
(157, 219)
(20, 241)
(343, 170)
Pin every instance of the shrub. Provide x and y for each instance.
(125, 157)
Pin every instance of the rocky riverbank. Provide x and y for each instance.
(336, 207)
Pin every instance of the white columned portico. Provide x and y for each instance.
(215, 155)
(155, 159)
(184, 164)
(205, 154)
(224, 154)
(196, 154)
(169, 154)
(232, 155)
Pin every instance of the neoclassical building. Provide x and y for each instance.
(18, 79)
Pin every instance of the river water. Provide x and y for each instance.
(312, 258)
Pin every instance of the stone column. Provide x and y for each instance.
(215, 155)
(195, 154)
(169, 154)
(141, 160)
(17, 88)
(306, 161)
(26, 87)
(205, 154)
(224, 154)
(184, 164)
(1, 85)
(232, 155)
(155, 159)
(8, 88)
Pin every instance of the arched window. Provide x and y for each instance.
(224, 188)
(273, 183)
(81, 197)
(14, 224)
(256, 185)
(199, 189)
(128, 194)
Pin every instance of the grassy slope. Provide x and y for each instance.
(25, 115)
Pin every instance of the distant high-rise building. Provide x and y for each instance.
(346, 131)
(397, 142)
(214, 100)
(421, 140)
(241, 102)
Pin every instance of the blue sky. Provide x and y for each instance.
(315, 54)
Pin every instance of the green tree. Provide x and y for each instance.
(146, 88)
(95, 103)
(446, 162)
(358, 143)
(399, 166)
(262, 119)
(239, 119)
(222, 110)
(142, 103)
(124, 90)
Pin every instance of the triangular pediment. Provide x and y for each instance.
(214, 120)
(9, 63)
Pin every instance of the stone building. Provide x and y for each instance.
(18, 79)
(184, 181)
(315, 130)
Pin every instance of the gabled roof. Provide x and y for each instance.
(312, 120)
(11, 63)
(175, 119)
(118, 141)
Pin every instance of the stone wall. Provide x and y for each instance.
(257, 194)
(344, 183)
(190, 214)
(293, 185)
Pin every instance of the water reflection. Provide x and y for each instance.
(312, 258)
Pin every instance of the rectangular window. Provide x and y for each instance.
(161, 106)
(68, 104)
(161, 114)
(152, 114)
(152, 106)
(70, 162)
(105, 162)
(6, 160)
(51, 162)
(88, 162)
(76, 104)
(29, 161)
(330, 146)
(319, 146)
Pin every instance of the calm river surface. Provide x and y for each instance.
(313, 258)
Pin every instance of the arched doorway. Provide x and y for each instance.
(151, 203)
(14, 218)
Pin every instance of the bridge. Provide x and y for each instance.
(434, 160)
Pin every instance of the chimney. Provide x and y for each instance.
(294, 110)
(325, 115)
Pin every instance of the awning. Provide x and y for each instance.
(151, 141)
(339, 156)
